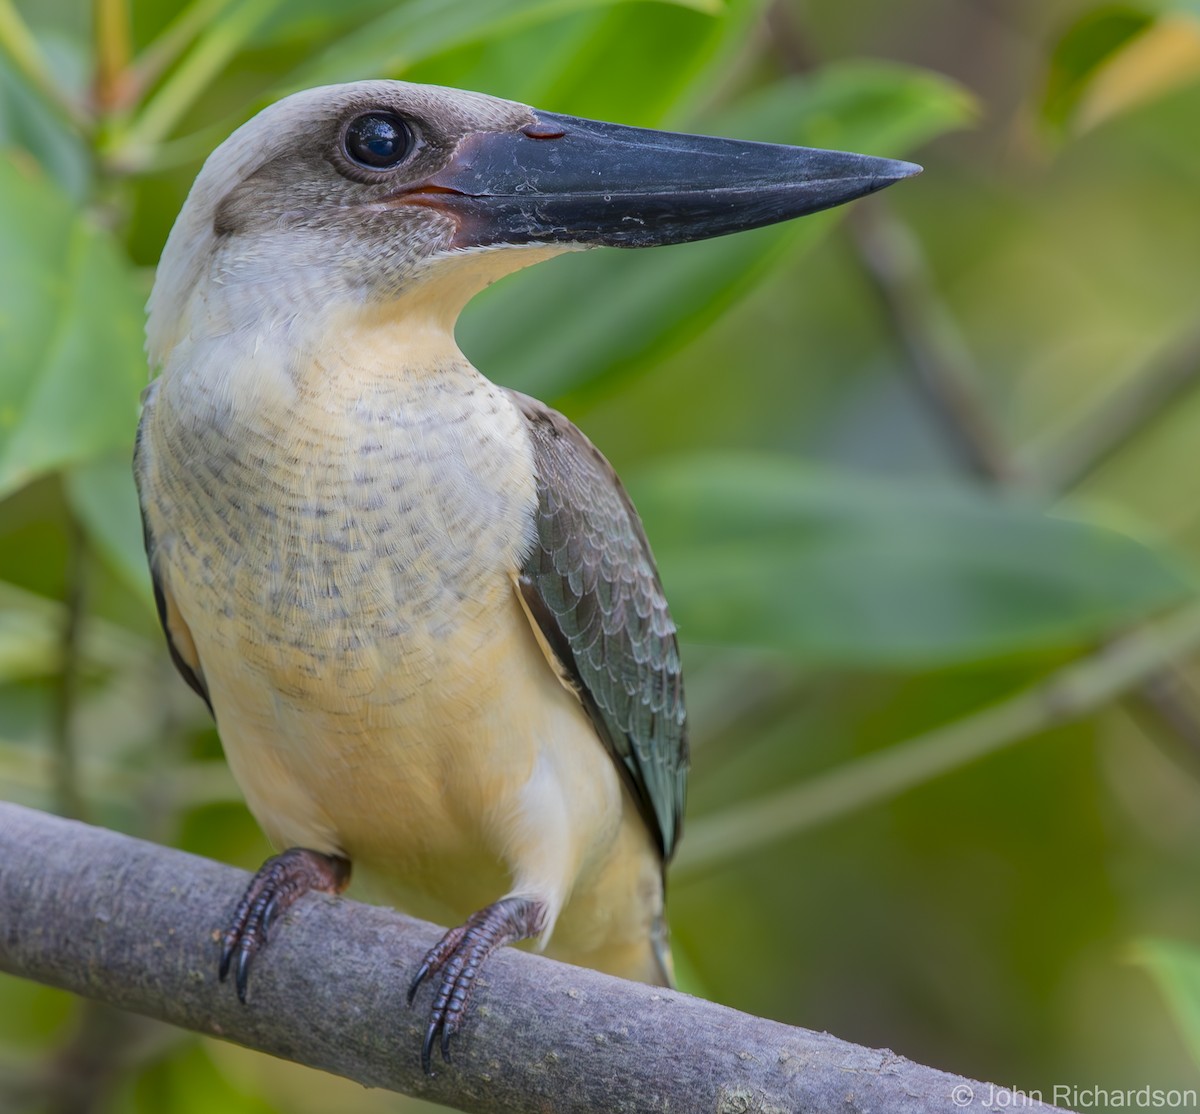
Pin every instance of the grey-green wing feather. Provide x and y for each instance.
(591, 586)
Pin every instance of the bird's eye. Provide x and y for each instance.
(378, 140)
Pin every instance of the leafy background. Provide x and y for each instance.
(920, 476)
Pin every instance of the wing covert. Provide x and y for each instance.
(592, 587)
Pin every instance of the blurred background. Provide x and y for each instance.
(920, 475)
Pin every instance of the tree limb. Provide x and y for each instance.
(135, 924)
(1148, 396)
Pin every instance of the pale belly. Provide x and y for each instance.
(456, 785)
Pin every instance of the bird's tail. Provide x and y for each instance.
(660, 945)
(645, 960)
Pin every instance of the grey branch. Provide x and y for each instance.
(135, 925)
(938, 359)
(1149, 395)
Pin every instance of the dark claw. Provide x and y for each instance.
(279, 883)
(268, 915)
(458, 956)
(242, 982)
(226, 957)
(427, 1050)
(415, 985)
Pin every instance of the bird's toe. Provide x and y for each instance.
(279, 883)
(457, 959)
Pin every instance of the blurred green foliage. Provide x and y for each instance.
(898, 463)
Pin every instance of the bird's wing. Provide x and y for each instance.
(591, 587)
(179, 638)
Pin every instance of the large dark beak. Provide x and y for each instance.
(564, 180)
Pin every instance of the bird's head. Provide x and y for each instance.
(381, 193)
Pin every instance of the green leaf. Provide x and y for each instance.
(1085, 46)
(568, 323)
(603, 72)
(1175, 968)
(593, 62)
(1158, 60)
(27, 121)
(306, 20)
(389, 44)
(70, 332)
(525, 65)
(762, 551)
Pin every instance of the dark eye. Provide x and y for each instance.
(379, 140)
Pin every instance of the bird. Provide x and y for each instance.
(420, 606)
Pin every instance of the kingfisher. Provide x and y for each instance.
(420, 606)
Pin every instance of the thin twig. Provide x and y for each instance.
(1166, 703)
(21, 48)
(947, 379)
(134, 924)
(787, 39)
(114, 48)
(210, 54)
(944, 371)
(174, 40)
(938, 358)
(68, 796)
(941, 364)
(1124, 415)
(1073, 692)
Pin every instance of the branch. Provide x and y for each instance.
(937, 357)
(1126, 414)
(135, 925)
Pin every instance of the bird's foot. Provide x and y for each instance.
(280, 882)
(458, 957)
